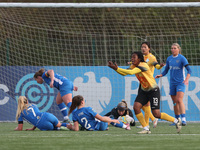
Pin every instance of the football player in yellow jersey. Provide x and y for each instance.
(151, 60)
(149, 91)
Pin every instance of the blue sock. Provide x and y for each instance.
(120, 125)
(64, 124)
(69, 104)
(182, 115)
(177, 116)
(63, 109)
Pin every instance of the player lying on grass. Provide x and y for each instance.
(122, 113)
(31, 113)
(87, 117)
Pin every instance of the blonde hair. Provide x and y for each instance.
(178, 46)
(22, 104)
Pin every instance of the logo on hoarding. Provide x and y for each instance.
(6, 98)
(96, 94)
(40, 94)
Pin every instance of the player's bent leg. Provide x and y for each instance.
(62, 106)
(47, 122)
(67, 98)
(102, 126)
(177, 122)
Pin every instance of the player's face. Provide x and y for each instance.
(39, 80)
(121, 112)
(135, 60)
(175, 50)
(145, 49)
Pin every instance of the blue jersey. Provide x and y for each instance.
(32, 114)
(176, 65)
(42, 120)
(86, 118)
(59, 81)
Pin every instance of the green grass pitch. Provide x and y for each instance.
(163, 137)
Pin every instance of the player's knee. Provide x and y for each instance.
(156, 113)
(136, 109)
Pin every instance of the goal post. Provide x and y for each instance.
(76, 40)
(102, 5)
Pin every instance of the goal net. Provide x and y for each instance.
(77, 42)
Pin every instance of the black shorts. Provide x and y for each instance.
(153, 96)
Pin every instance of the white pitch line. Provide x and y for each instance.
(52, 136)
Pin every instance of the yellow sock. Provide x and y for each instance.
(140, 118)
(167, 117)
(151, 115)
(147, 112)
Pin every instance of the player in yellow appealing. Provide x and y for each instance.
(149, 91)
(151, 60)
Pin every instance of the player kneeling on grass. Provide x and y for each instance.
(41, 120)
(89, 119)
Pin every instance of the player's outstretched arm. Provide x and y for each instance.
(106, 119)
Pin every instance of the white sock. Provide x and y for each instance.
(183, 119)
(176, 121)
(66, 118)
(124, 126)
(146, 128)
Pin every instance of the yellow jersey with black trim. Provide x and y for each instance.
(143, 74)
(151, 60)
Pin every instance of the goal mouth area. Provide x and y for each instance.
(77, 40)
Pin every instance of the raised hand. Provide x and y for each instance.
(162, 64)
(113, 66)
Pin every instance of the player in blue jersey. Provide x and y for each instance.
(176, 64)
(89, 119)
(64, 85)
(41, 120)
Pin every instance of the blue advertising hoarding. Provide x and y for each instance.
(101, 86)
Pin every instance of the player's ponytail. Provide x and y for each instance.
(22, 104)
(76, 101)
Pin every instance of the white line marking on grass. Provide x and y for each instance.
(96, 135)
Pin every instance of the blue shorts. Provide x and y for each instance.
(176, 88)
(102, 126)
(66, 88)
(47, 122)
